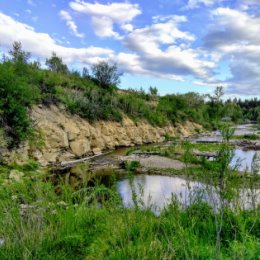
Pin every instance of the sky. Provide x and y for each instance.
(176, 45)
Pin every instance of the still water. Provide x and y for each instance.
(156, 192)
(246, 160)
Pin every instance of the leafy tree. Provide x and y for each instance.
(56, 64)
(19, 59)
(16, 96)
(106, 74)
(153, 91)
(215, 106)
(219, 93)
(18, 55)
(85, 73)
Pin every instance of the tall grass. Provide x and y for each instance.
(38, 223)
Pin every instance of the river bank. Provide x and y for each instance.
(102, 209)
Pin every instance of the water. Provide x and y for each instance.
(246, 129)
(240, 130)
(243, 160)
(156, 192)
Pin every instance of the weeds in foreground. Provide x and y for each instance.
(37, 223)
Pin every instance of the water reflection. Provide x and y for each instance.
(243, 160)
(245, 129)
(240, 130)
(156, 192)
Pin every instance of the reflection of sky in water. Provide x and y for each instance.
(245, 130)
(157, 191)
(242, 160)
(240, 130)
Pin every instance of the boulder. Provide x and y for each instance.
(96, 151)
(80, 147)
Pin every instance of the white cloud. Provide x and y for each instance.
(149, 38)
(235, 38)
(104, 27)
(251, 2)
(71, 24)
(105, 16)
(127, 27)
(42, 45)
(164, 50)
(171, 62)
(197, 3)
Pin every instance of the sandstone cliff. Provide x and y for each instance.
(67, 136)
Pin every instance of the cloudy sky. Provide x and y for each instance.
(176, 45)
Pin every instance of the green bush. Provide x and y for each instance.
(16, 96)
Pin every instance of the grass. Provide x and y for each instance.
(43, 220)
(247, 137)
(37, 223)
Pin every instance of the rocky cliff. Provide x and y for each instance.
(67, 136)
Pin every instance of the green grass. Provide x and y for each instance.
(247, 137)
(41, 221)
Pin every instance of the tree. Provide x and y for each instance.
(153, 91)
(85, 73)
(18, 55)
(106, 74)
(56, 64)
(219, 93)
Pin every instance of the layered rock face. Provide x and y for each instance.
(69, 137)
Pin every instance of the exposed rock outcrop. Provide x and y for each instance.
(68, 136)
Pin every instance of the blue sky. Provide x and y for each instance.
(176, 45)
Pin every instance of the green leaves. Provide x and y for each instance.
(16, 96)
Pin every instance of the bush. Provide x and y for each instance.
(16, 96)
(107, 75)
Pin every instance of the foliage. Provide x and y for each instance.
(18, 55)
(24, 83)
(106, 74)
(15, 98)
(38, 223)
(56, 64)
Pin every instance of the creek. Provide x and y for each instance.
(157, 191)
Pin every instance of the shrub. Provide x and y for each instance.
(106, 74)
(16, 96)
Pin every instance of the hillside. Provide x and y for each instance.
(31, 95)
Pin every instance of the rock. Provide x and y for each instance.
(80, 147)
(56, 137)
(68, 136)
(96, 151)
(66, 156)
(51, 156)
(72, 130)
(16, 175)
(98, 142)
